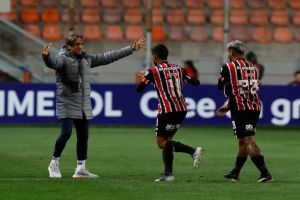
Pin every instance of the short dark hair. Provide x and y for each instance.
(161, 51)
(252, 57)
(70, 41)
(189, 63)
(297, 72)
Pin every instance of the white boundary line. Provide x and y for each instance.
(28, 179)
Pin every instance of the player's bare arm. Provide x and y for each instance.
(223, 110)
(141, 74)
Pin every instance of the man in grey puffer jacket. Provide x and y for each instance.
(73, 102)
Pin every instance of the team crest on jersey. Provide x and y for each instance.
(84, 61)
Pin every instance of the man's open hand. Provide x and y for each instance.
(46, 49)
(140, 44)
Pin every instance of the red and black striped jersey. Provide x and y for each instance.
(168, 80)
(240, 81)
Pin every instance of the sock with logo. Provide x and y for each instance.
(80, 164)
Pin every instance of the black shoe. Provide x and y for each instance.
(265, 178)
(232, 176)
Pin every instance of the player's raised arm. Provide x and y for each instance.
(147, 78)
(114, 55)
(53, 62)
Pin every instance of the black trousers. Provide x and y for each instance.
(82, 130)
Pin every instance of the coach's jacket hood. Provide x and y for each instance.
(73, 79)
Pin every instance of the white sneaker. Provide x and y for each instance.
(165, 178)
(197, 156)
(84, 173)
(53, 170)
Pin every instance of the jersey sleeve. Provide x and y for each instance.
(147, 79)
(191, 80)
(224, 74)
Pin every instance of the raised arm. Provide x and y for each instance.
(147, 78)
(111, 56)
(53, 62)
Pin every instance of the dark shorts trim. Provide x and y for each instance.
(168, 123)
(244, 123)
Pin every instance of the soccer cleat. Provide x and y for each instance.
(84, 173)
(232, 176)
(165, 178)
(265, 178)
(53, 170)
(197, 156)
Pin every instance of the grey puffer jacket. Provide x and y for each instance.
(73, 85)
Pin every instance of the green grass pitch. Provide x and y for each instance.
(128, 160)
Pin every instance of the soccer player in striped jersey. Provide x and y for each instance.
(239, 80)
(168, 80)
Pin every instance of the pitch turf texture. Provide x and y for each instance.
(127, 161)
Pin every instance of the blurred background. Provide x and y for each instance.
(122, 147)
(195, 31)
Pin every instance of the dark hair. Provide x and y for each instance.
(72, 38)
(297, 72)
(161, 51)
(190, 63)
(252, 57)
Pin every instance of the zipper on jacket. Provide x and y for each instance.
(81, 85)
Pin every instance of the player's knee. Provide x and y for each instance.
(161, 142)
(161, 145)
(252, 149)
(243, 150)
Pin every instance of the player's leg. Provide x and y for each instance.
(82, 131)
(167, 153)
(258, 159)
(162, 138)
(66, 131)
(241, 156)
(253, 150)
(196, 153)
(238, 129)
(239, 162)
